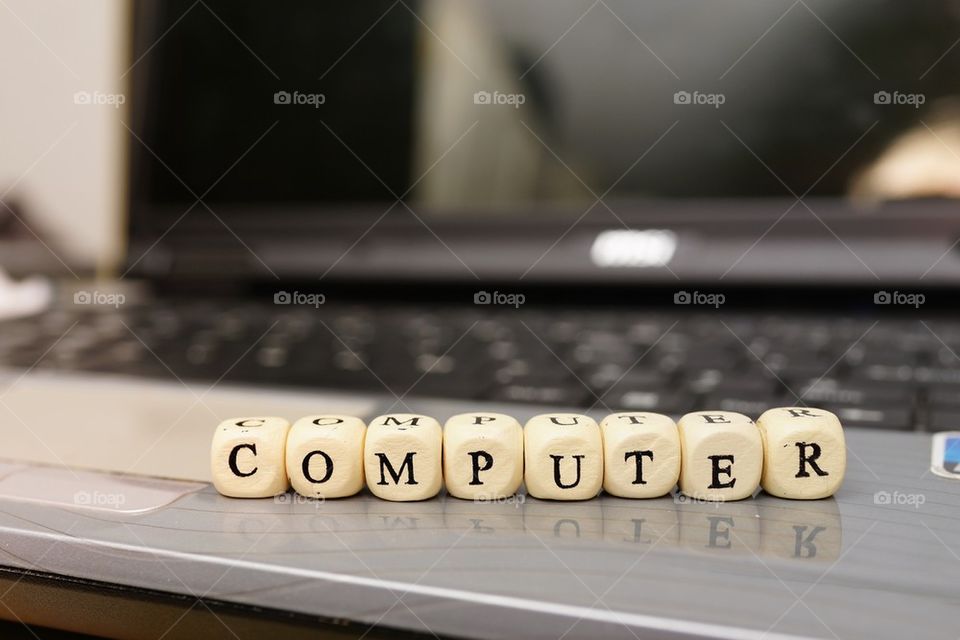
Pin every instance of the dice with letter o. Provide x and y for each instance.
(325, 456)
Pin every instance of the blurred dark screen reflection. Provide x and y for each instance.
(541, 102)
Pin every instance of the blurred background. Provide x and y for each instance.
(61, 167)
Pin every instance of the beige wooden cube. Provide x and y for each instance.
(563, 453)
(247, 457)
(641, 454)
(482, 456)
(402, 457)
(805, 455)
(721, 455)
(325, 456)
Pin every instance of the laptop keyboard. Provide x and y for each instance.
(891, 374)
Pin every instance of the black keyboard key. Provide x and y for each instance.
(944, 420)
(554, 395)
(751, 406)
(898, 419)
(658, 401)
(834, 392)
(943, 396)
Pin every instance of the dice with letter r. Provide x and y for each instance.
(247, 457)
(805, 454)
(721, 455)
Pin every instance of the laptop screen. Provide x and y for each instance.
(502, 112)
(463, 105)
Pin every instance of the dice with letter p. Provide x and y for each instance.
(247, 457)
(805, 455)
(482, 456)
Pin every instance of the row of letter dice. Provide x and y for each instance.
(791, 452)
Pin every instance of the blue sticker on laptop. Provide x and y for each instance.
(945, 458)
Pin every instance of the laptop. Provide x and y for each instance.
(440, 207)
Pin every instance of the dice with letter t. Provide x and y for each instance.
(721, 455)
(641, 454)
(247, 457)
(805, 455)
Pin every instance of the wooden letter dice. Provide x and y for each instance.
(247, 457)
(805, 455)
(482, 456)
(641, 454)
(721, 455)
(325, 456)
(402, 457)
(564, 457)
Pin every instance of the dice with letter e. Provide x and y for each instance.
(721, 455)
(805, 455)
(247, 457)
(325, 456)
(641, 454)
(482, 456)
(563, 453)
(402, 457)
